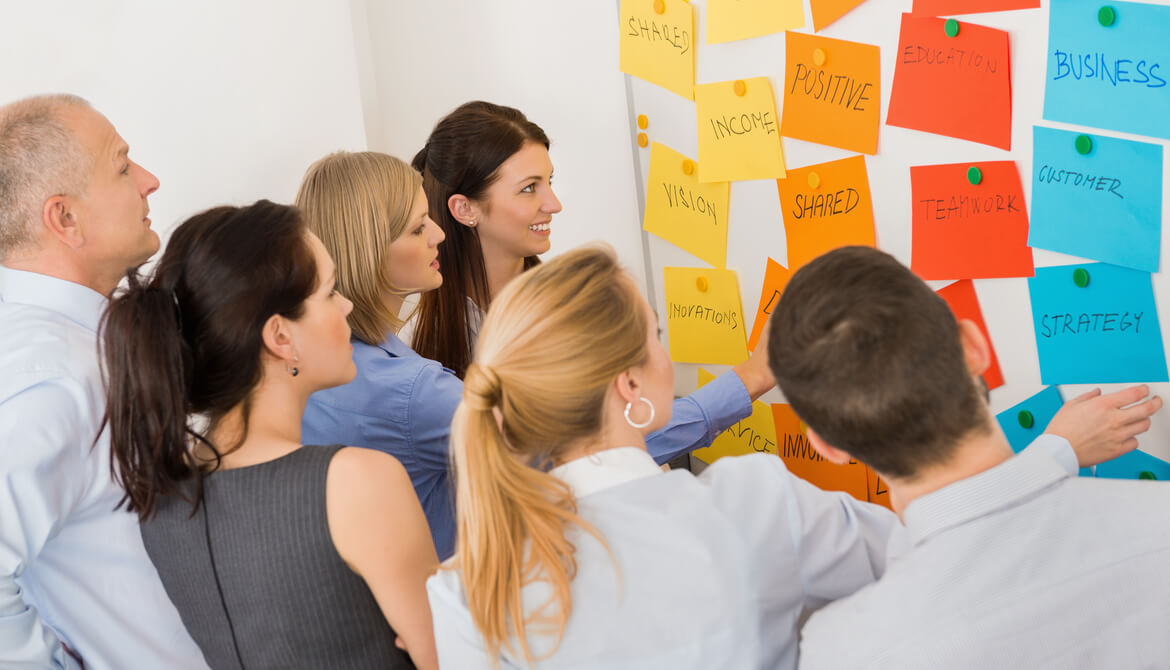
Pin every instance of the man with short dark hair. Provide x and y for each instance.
(1013, 562)
(76, 586)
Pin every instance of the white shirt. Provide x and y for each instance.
(714, 570)
(71, 568)
(1020, 566)
(406, 334)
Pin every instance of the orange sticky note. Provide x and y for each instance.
(955, 86)
(729, 20)
(953, 7)
(878, 492)
(963, 302)
(968, 231)
(825, 12)
(739, 133)
(775, 279)
(804, 462)
(836, 101)
(658, 47)
(826, 206)
(754, 435)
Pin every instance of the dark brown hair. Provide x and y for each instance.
(187, 340)
(870, 358)
(463, 156)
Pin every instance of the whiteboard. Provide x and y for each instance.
(756, 225)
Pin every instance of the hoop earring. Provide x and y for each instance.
(294, 370)
(647, 422)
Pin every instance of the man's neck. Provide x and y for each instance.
(974, 455)
(63, 270)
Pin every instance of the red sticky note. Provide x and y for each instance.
(877, 492)
(953, 7)
(775, 279)
(803, 461)
(825, 12)
(968, 231)
(963, 302)
(955, 86)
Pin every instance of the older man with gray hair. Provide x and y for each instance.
(76, 586)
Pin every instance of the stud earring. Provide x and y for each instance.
(294, 370)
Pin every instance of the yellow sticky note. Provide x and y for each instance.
(683, 211)
(730, 20)
(704, 317)
(753, 435)
(658, 47)
(832, 92)
(739, 133)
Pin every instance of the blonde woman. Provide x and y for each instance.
(605, 561)
(370, 211)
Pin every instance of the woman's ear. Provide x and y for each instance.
(464, 210)
(627, 386)
(277, 338)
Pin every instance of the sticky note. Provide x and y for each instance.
(837, 101)
(961, 298)
(953, 7)
(776, 277)
(704, 316)
(836, 212)
(1109, 77)
(1106, 331)
(682, 210)
(955, 86)
(659, 47)
(753, 435)
(825, 12)
(1132, 465)
(1105, 205)
(730, 20)
(878, 492)
(804, 461)
(963, 230)
(1026, 421)
(739, 133)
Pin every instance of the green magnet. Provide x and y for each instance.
(1106, 16)
(1146, 474)
(951, 27)
(1025, 419)
(974, 175)
(1081, 277)
(1084, 144)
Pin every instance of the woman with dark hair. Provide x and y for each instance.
(275, 555)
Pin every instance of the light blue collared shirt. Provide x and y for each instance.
(1021, 566)
(402, 403)
(711, 571)
(72, 569)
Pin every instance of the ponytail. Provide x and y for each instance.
(146, 364)
(511, 524)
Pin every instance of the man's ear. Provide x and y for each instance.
(976, 350)
(58, 217)
(827, 451)
(464, 210)
(278, 340)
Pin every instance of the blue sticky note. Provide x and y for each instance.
(1132, 465)
(1041, 408)
(1109, 76)
(1105, 205)
(1104, 332)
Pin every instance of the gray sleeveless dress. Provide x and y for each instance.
(256, 578)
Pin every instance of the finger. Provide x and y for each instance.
(1128, 396)
(1087, 395)
(1139, 411)
(1131, 430)
(1128, 446)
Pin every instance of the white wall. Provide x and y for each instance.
(557, 62)
(226, 102)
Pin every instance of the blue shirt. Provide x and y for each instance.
(402, 403)
(705, 572)
(72, 569)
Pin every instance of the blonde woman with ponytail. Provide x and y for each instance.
(574, 549)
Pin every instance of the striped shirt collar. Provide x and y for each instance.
(981, 495)
(605, 469)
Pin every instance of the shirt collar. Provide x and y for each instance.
(394, 346)
(76, 302)
(605, 469)
(968, 499)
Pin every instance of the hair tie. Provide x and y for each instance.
(481, 387)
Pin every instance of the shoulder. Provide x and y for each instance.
(38, 345)
(361, 469)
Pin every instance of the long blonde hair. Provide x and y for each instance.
(358, 203)
(553, 342)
